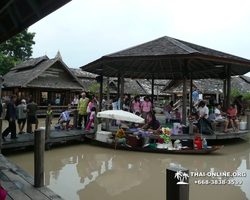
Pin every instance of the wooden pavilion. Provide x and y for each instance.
(169, 58)
(44, 80)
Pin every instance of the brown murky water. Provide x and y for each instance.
(82, 171)
(87, 172)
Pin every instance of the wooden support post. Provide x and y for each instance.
(177, 191)
(75, 116)
(95, 124)
(152, 90)
(191, 128)
(28, 127)
(101, 94)
(108, 99)
(247, 161)
(118, 85)
(191, 95)
(1, 129)
(122, 89)
(39, 157)
(224, 94)
(184, 102)
(47, 131)
(228, 86)
(1, 83)
(248, 121)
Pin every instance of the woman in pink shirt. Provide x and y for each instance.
(91, 104)
(136, 104)
(146, 107)
(232, 116)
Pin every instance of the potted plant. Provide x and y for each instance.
(246, 98)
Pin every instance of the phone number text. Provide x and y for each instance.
(218, 182)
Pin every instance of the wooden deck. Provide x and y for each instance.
(27, 139)
(19, 183)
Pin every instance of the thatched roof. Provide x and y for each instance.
(130, 86)
(147, 86)
(168, 58)
(208, 86)
(37, 73)
(16, 15)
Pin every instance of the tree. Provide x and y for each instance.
(135, 92)
(95, 89)
(16, 50)
(235, 93)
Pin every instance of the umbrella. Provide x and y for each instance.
(120, 115)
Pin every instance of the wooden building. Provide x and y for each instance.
(42, 79)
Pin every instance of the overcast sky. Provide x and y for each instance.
(85, 30)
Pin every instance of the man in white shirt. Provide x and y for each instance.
(219, 118)
(203, 110)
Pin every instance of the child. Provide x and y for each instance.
(120, 136)
(64, 118)
(50, 112)
(91, 118)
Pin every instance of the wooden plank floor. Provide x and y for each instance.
(19, 183)
(27, 139)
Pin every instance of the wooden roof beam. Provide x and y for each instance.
(206, 67)
(169, 60)
(197, 71)
(132, 64)
(13, 16)
(17, 12)
(162, 68)
(133, 72)
(6, 6)
(35, 7)
(4, 30)
(149, 72)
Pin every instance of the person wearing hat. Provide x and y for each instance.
(21, 115)
(11, 117)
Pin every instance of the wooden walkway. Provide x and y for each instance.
(27, 139)
(19, 183)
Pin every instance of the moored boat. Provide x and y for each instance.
(210, 149)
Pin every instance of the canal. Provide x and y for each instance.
(81, 171)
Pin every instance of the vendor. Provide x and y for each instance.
(120, 136)
(153, 126)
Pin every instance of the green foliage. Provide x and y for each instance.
(246, 97)
(235, 93)
(16, 50)
(94, 89)
(135, 92)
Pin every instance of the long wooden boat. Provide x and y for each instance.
(91, 138)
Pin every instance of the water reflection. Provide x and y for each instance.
(87, 172)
